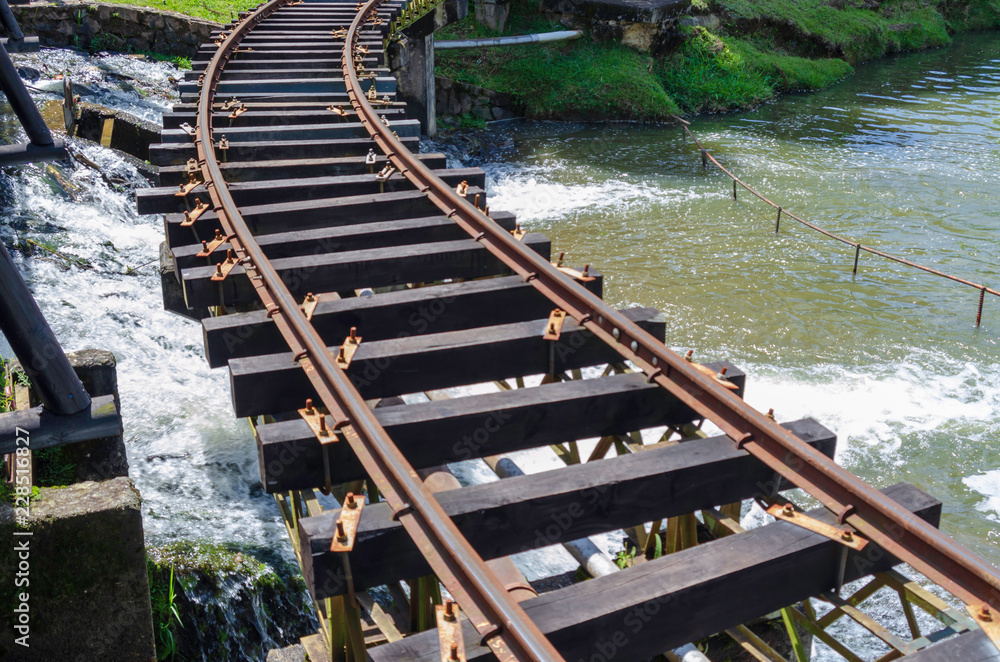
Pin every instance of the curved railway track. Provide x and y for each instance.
(277, 198)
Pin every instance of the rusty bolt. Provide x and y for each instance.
(230, 257)
(723, 370)
(586, 270)
(984, 613)
(449, 610)
(789, 509)
(351, 503)
(310, 297)
(689, 355)
(340, 355)
(354, 334)
(218, 268)
(204, 245)
(341, 534)
(322, 426)
(847, 536)
(309, 405)
(454, 652)
(218, 234)
(770, 413)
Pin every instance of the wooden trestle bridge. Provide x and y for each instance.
(343, 270)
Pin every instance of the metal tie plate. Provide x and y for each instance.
(191, 216)
(347, 524)
(847, 537)
(450, 632)
(553, 328)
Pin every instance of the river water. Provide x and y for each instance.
(901, 155)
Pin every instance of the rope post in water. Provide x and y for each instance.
(979, 315)
(857, 254)
(777, 224)
(734, 189)
(704, 159)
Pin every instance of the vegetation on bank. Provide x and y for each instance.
(755, 50)
(221, 11)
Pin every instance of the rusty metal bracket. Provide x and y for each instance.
(316, 418)
(349, 349)
(347, 524)
(463, 188)
(370, 158)
(720, 376)
(553, 328)
(242, 108)
(373, 93)
(337, 110)
(223, 268)
(450, 632)
(232, 103)
(582, 276)
(845, 537)
(192, 183)
(309, 305)
(208, 247)
(191, 216)
(188, 129)
(385, 173)
(339, 33)
(988, 620)
(517, 232)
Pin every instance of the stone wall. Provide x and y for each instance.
(101, 26)
(649, 26)
(457, 98)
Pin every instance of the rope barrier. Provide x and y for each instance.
(858, 247)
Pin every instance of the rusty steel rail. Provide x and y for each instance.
(959, 570)
(857, 246)
(502, 623)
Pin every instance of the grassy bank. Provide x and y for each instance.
(754, 50)
(220, 11)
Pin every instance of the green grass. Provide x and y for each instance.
(844, 28)
(578, 79)
(220, 11)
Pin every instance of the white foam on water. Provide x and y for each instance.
(536, 196)
(987, 484)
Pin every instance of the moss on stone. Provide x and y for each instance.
(235, 601)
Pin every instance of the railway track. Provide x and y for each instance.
(343, 270)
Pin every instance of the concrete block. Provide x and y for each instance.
(87, 588)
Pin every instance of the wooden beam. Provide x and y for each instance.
(433, 309)
(250, 171)
(343, 238)
(349, 270)
(528, 512)
(45, 429)
(682, 597)
(972, 646)
(311, 214)
(440, 431)
(275, 383)
(163, 200)
(178, 153)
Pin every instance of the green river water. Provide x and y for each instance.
(902, 155)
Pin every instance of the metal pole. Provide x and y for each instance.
(857, 254)
(777, 223)
(979, 315)
(36, 347)
(21, 102)
(9, 22)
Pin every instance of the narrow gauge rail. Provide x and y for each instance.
(295, 179)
